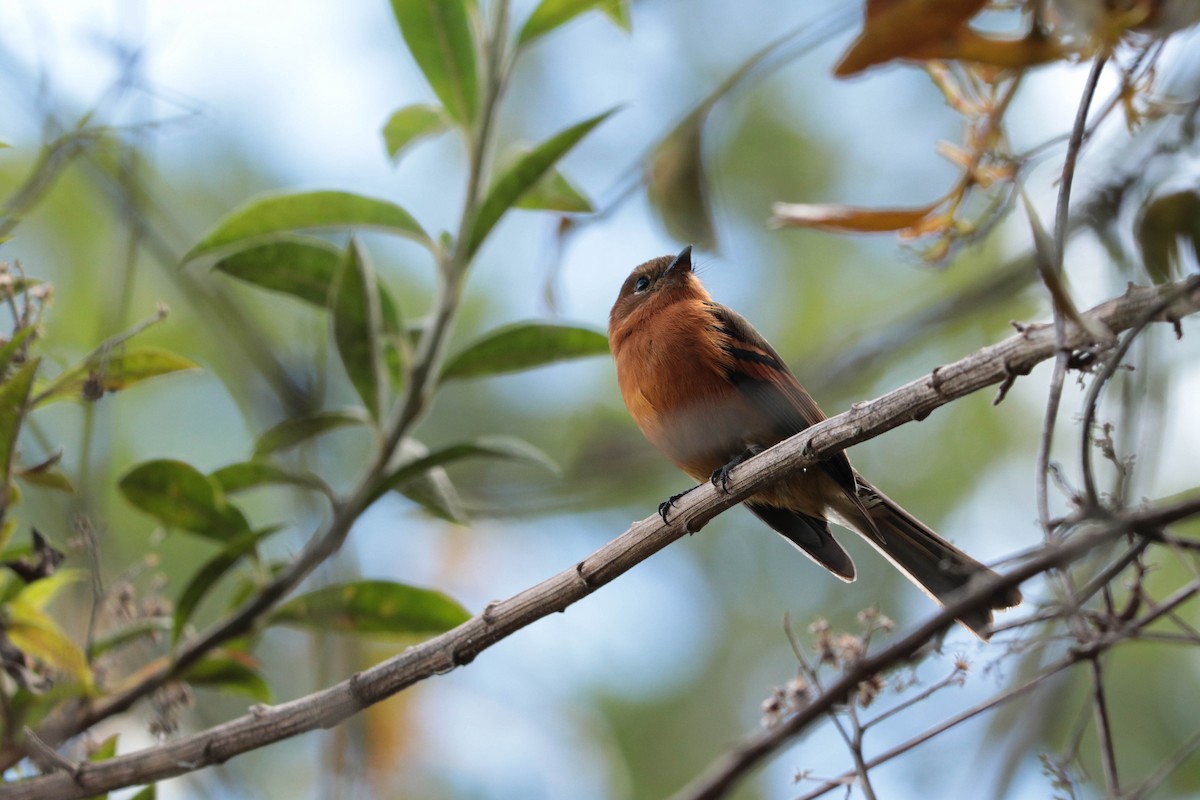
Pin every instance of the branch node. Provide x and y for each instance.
(487, 614)
(935, 381)
(49, 759)
(584, 580)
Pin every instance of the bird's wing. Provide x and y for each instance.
(763, 379)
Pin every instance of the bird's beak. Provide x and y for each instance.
(682, 262)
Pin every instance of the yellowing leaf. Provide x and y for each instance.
(848, 219)
(33, 632)
(121, 369)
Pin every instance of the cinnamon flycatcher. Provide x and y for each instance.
(709, 392)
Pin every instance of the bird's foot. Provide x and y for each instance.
(664, 508)
(720, 476)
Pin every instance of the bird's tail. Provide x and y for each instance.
(935, 565)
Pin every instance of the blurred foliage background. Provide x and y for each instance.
(192, 109)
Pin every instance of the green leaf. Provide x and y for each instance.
(253, 474)
(207, 576)
(372, 607)
(555, 193)
(517, 179)
(297, 265)
(13, 345)
(432, 489)
(180, 496)
(33, 632)
(229, 672)
(148, 793)
(357, 328)
(438, 34)
(508, 448)
(550, 14)
(524, 345)
(409, 124)
(39, 593)
(1163, 225)
(272, 214)
(119, 370)
(142, 629)
(47, 475)
(14, 400)
(292, 432)
(106, 749)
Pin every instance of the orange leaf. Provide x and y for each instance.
(896, 28)
(848, 219)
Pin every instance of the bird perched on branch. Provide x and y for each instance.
(709, 392)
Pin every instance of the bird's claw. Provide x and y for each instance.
(720, 477)
(664, 508)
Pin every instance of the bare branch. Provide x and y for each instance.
(914, 401)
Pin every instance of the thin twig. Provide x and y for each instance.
(1108, 755)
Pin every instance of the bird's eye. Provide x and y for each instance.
(641, 285)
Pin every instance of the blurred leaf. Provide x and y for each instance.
(1163, 223)
(508, 448)
(438, 34)
(47, 475)
(269, 215)
(148, 793)
(411, 123)
(849, 219)
(121, 369)
(180, 496)
(207, 576)
(106, 749)
(229, 674)
(522, 346)
(372, 607)
(253, 474)
(41, 592)
(13, 345)
(357, 328)
(555, 193)
(33, 632)
(14, 399)
(678, 187)
(551, 14)
(142, 629)
(517, 179)
(292, 432)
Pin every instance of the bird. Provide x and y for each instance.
(708, 391)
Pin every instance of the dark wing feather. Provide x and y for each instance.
(764, 379)
(810, 534)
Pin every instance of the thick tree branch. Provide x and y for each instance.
(996, 364)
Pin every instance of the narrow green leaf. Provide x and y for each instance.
(47, 475)
(551, 14)
(297, 265)
(14, 400)
(229, 672)
(253, 474)
(372, 607)
(432, 489)
(271, 214)
(524, 345)
(357, 328)
(207, 576)
(438, 34)
(142, 629)
(305, 268)
(410, 124)
(39, 593)
(508, 448)
(33, 632)
(180, 496)
(148, 793)
(121, 369)
(13, 345)
(292, 432)
(517, 179)
(106, 749)
(554, 192)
